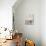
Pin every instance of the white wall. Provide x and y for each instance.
(6, 13)
(25, 9)
(43, 22)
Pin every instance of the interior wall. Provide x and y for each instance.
(25, 9)
(6, 13)
(43, 22)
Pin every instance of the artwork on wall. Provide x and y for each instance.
(29, 20)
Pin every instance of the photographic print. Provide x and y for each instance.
(29, 20)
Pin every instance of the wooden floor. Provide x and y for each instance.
(9, 43)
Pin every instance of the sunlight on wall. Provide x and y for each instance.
(6, 18)
(6, 13)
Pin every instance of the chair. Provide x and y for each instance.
(29, 43)
(18, 39)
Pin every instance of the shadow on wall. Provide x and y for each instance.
(22, 11)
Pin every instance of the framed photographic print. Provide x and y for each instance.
(29, 20)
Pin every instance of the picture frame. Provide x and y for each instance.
(29, 20)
